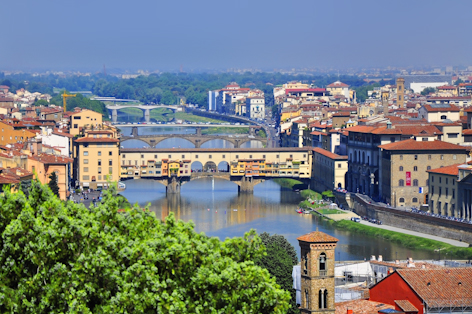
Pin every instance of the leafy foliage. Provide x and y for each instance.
(61, 257)
(82, 102)
(279, 261)
(428, 90)
(53, 183)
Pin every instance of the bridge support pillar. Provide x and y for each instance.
(252, 131)
(246, 185)
(199, 131)
(173, 186)
(134, 131)
(237, 143)
(198, 143)
(147, 115)
(114, 115)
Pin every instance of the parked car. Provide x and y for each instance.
(356, 219)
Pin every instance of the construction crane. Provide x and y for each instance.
(64, 99)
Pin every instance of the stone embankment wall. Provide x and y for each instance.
(408, 220)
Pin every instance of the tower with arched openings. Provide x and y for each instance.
(317, 272)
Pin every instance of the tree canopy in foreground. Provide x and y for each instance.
(59, 257)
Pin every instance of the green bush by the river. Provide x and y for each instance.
(287, 183)
(310, 194)
(406, 240)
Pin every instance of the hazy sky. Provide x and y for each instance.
(219, 34)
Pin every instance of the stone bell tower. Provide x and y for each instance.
(385, 95)
(401, 92)
(317, 272)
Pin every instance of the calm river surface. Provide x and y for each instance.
(216, 209)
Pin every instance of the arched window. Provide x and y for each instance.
(428, 168)
(400, 168)
(401, 182)
(368, 160)
(401, 200)
(443, 117)
(322, 262)
(415, 182)
(363, 157)
(320, 299)
(325, 299)
(305, 264)
(427, 182)
(415, 168)
(414, 200)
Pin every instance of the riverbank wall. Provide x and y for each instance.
(407, 220)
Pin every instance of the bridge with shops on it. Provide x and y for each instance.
(146, 109)
(198, 138)
(246, 167)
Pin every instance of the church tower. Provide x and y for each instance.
(317, 272)
(385, 96)
(401, 92)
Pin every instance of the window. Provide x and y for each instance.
(291, 156)
(454, 157)
(440, 191)
(447, 180)
(99, 153)
(401, 200)
(401, 182)
(124, 156)
(400, 168)
(453, 193)
(110, 170)
(401, 157)
(85, 153)
(224, 156)
(307, 299)
(414, 200)
(432, 189)
(85, 178)
(196, 156)
(100, 170)
(415, 182)
(416, 157)
(170, 156)
(442, 157)
(428, 168)
(339, 165)
(110, 153)
(142, 156)
(415, 168)
(85, 161)
(427, 182)
(392, 140)
(322, 260)
(85, 169)
(209, 156)
(429, 157)
(250, 156)
(443, 117)
(276, 156)
(110, 162)
(432, 178)
(183, 156)
(99, 162)
(424, 139)
(155, 156)
(452, 135)
(440, 179)
(447, 192)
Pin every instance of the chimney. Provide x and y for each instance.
(372, 258)
(389, 125)
(397, 262)
(410, 263)
(380, 258)
(390, 270)
(350, 311)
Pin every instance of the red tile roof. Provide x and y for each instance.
(337, 84)
(328, 154)
(51, 159)
(441, 286)
(420, 145)
(449, 108)
(317, 236)
(361, 307)
(406, 306)
(452, 170)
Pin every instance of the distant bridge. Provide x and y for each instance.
(197, 139)
(145, 108)
(246, 167)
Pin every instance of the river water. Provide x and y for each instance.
(216, 209)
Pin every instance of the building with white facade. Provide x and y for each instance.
(255, 107)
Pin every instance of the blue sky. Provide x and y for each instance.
(211, 34)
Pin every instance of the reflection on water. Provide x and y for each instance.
(216, 209)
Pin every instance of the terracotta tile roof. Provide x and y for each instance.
(361, 307)
(328, 154)
(337, 84)
(420, 145)
(317, 236)
(51, 159)
(63, 134)
(442, 286)
(442, 108)
(100, 132)
(406, 306)
(96, 140)
(452, 170)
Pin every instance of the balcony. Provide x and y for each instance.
(323, 273)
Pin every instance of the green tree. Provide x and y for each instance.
(61, 257)
(279, 261)
(53, 183)
(428, 90)
(41, 102)
(458, 82)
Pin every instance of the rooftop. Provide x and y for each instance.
(452, 170)
(317, 237)
(420, 145)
